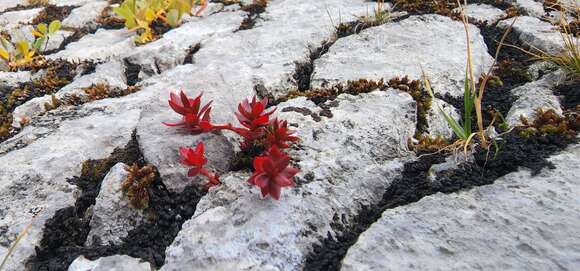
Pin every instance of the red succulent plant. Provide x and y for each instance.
(272, 172)
(279, 135)
(253, 114)
(195, 158)
(195, 119)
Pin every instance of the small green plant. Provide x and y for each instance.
(23, 52)
(42, 32)
(472, 95)
(139, 15)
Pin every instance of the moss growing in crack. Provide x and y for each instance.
(429, 144)
(51, 13)
(550, 123)
(136, 185)
(354, 87)
(421, 97)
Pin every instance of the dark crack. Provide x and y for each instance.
(66, 233)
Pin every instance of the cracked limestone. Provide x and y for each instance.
(110, 73)
(345, 161)
(36, 163)
(111, 263)
(112, 218)
(84, 15)
(535, 33)
(101, 45)
(435, 43)
(533, 96)
(521, 222)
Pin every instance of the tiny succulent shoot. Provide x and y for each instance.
(278, 134)
(194, 119)
(272, 172)
(253, 114)
(196, 160)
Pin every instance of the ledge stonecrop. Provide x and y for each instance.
(271, 167)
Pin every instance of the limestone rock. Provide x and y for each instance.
(86, 14)
(533, 96)
(111, 263)
(346, 161)
(536, 34)
(396, 49)
(101, 45)
(520, 222)
(483, 13)
(112, 217)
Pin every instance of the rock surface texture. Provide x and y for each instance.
(67, 130)
(521, 222)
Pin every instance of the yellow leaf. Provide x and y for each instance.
(4, 54)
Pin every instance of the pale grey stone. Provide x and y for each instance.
(84, 15)
(529, 7)
(521, 222)
(11, 79)
(12, 19)
(110, 73)
(36, 163)
(101, 45)
(533, 96)
(112, 217)
(346, 161)
(433, 43)
(536, 34)
(110, 263)
(10, 4)
(483, 12)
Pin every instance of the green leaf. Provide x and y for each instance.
(468, 107)
(173, 17)
(54, 26)
(42, 28)
(125, 12)
(457, 129)
(38, 43)
(5, 43)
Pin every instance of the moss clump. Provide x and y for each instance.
(421, 97)
(51, 13)
(136, 185)
(550, 123)
(429, 144)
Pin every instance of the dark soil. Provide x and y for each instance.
(51, 13)
(569, 93)
(515, 152)
(65, 234)
(190, 52)
(132, 73)
(254, 11)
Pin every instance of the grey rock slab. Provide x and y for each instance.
(12, 19)
(536, 34)
(36, 163)
(112, 217)
(12, 79)
(171, 50)
(284, 35)
(84, 15)
(110, 263)
(521, 222)
(433, 42)
(483, 12)
(61, 3)
(529, 7)
(533, 96)
(101, 45)
(110, 73)
(346, 161)
(10, 4)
